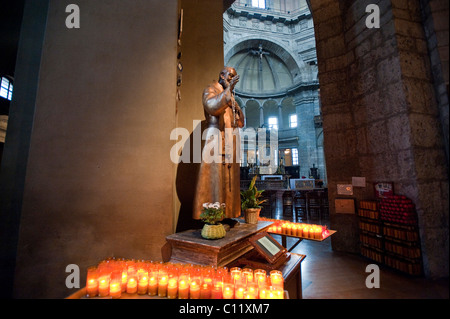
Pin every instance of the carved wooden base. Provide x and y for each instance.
(190, 247)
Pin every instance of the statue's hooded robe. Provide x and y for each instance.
(219, 173)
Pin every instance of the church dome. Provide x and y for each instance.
(261, 70)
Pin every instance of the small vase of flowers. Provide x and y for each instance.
(211, 215)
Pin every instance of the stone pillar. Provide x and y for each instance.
(280, 117)
(304, 104)
(261, 116)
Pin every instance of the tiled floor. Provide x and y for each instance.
(327, 274)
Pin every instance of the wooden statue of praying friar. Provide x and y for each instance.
(218, 177)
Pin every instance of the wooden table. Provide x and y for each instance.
(299, 239)
(291, 270)
(292, 275)
(190, 247)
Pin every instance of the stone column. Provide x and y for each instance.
(304, 104)
(261, 116)
(280, 117)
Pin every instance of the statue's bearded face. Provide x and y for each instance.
(226, 76)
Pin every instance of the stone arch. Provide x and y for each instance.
(270, 110)
(252, 113)
(288, 108)
(240, 102)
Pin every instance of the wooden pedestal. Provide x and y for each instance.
(190, 247)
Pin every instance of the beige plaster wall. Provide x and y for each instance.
(99, 176)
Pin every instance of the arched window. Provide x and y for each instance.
(6, 89)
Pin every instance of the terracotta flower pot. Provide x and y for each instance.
(251, 215)
(213, 231)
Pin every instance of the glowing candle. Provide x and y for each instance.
(205, 291)
(263, 293)
(92, 282)
(172, 288)
(247, 273)
(248, 295)
(306, 232)
(311, 232)
(162, 285)
(153, 284)
(206, 275)
(221, 273)
(319, 232)
(131, 285)
(299, 230)
(252, 289)
(294, 230)
(103, 285)
(228, 291)
(194, 290)
(279, 230)
(142, 282)
(124, 278)
(115, 286)
(289, 229)
(236, 273)
(207, 280)
(260, 277)
(239, 290)
(131, 280)
(183, 289)
(276, 279)
(278, 293)
(115, 290)
(284, 229)
(216, 292)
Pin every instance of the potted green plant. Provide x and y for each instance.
(251, 202)
(211, 215)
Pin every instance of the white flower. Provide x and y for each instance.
(205, 205)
